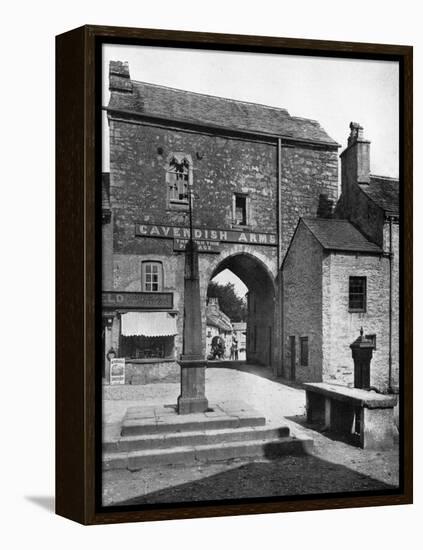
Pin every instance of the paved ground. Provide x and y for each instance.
(334, 466)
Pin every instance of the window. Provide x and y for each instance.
(357, 294)
(304, 351)
(141, 347)
(240, 210)
(178, 179)
(152, 276)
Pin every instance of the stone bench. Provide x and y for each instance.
(345, 410)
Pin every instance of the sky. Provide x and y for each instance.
(332, 91)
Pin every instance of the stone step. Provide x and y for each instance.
(270, 449)
(172, 423)
(190, 438)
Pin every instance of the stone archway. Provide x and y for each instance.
(260, 341)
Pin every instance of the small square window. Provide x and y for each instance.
(357, 294)
(304, 351)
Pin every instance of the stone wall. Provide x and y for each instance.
(302, 312)
(316, 305)
(395, 295)
(362, 212)
(127, 277)
(221, 166)
(153, 372)
(307, 173)
(341, 327)
(107, 255)
(354, 204)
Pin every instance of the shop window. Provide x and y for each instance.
(152, 276)
(178, 180)
(357, 294)
(304, 351)
(240, 209)
(143, 347)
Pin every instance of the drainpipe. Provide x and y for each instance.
(279, 161)
(390, 306)
(279, 365)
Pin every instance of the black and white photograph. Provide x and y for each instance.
(250, 304)
(211, 298)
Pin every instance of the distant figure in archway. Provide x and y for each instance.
(262, 344)
(234, 350)
(217, 348)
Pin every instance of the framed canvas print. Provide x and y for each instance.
(234, 274)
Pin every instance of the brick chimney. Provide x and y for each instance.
(119, 79)
(355, 160)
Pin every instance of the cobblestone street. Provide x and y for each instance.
(334, 465)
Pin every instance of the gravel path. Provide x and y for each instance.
(334, 466)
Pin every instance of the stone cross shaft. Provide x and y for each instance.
(193, 364)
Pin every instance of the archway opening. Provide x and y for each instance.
(240, 310)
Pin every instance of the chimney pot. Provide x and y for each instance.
(119, 68)
(356, 133)
(119, 78)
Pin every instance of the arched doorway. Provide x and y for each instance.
(260, 318)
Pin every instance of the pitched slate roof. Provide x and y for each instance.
(211, 111)
(340, 235)
(216, 317)
(216, 320)
(384, 192)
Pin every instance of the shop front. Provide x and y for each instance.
(140, 327)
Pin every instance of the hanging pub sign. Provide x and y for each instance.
(207, 235)
(117, 371)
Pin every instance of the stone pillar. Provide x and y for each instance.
(192, 398)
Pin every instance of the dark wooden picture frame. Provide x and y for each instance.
(78, 407)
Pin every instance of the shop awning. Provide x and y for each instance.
(148, 323)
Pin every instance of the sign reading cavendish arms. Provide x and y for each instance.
(138, 300)
(205, 235)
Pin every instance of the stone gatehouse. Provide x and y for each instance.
(253, 172)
